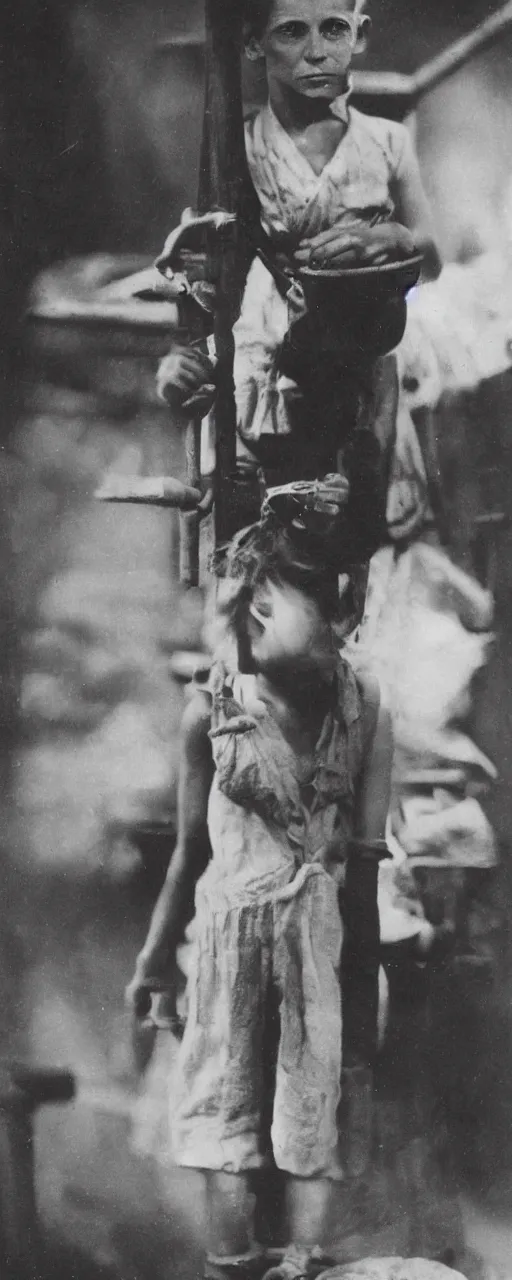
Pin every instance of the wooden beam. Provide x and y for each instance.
(384, 93)
(225, 184)
(446, 64)
(152, 491)
(395, 96)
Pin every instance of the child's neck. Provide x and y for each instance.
(296, 112)
(299, 693)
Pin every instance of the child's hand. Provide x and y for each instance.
(186, 378)
(156, 999)
(184, 249)
(193, 265)
(138, 997)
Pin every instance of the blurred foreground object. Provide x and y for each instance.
(22, 1091)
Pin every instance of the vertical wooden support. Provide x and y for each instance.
(189, 520)
(22, 1090)
(225, 184)
(18, 1223)
(360, 989)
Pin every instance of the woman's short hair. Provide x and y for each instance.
(256, 14)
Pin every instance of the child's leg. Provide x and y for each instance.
(308, 1202)
(308, 1205)
(230, 1210)
(230, 1219)
(219, 1086)
(307, 950)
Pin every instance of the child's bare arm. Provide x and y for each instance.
(373, 795)
(374, 784)
(174, 906)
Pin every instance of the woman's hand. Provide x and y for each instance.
(337, 247)
(364, 246)
(387, 242)
(186, 379)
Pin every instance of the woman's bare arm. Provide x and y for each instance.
(412, 210)
(174, 906)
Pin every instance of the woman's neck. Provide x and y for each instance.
(296, 112)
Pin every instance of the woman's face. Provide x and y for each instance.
(308, 46)
(288, 633)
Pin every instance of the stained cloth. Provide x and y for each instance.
(267, 932)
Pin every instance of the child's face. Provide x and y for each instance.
(287, 632)
(308, 45)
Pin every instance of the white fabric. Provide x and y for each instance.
(355, 186)
(393, 1269)
(427, 633)
(459, 330)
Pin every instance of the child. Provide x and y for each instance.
(284, 764)
(336, 189)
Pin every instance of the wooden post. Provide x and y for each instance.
(189, 521)
(360, 987)
(22, 1090)
(225, 184)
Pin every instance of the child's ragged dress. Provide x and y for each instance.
(267, 935)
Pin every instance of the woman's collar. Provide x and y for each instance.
(340, 106)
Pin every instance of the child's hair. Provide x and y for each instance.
(256, 14)
(266, 552)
